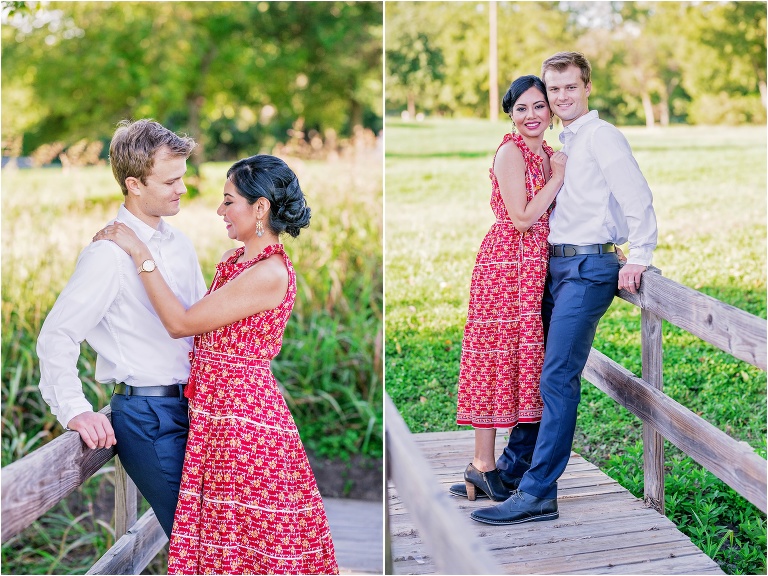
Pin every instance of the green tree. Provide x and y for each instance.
(254, 67)
(413, 66)
(702, 62)
(459, 31)
(725, 64)
(647, 47)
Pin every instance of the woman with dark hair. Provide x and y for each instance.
(249, 503)
(503, 347)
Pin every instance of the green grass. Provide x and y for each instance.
(709, 188)
(330, 365)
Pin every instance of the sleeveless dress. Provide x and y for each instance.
(503, 347)
(249, 503)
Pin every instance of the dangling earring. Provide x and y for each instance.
(514, 127)
(552, 124)
(259, 228)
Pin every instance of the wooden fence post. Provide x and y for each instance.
(126, 501)
(653, 442)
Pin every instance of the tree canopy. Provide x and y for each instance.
(234, 75)
(653, 62)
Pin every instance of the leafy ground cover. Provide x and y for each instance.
(709, 189)
(330, 365)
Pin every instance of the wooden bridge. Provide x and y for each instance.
(602, 528)
(34, 484)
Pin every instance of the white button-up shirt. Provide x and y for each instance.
(105, 303)
(605, 197)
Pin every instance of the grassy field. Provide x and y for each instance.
(709, 188)
(331, 361)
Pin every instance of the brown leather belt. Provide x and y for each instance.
(173, 390)
(565, 250)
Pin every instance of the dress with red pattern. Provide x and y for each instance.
(503, 348)
(249, 503)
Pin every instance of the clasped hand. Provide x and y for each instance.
(557, 163)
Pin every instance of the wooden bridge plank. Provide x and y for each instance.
(591, 550)
(654, 559)
(602, 529)
(694, 565)
(357, 528)
(584, 520)
(573, 522)
(648, 558)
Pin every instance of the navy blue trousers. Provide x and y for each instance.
(578, 292)
(151, 434)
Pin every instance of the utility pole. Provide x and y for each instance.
(493, 58)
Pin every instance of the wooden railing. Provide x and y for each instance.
(35, 483)
(732, 330)
(454, 548)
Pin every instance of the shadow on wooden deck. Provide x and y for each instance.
(602, 529)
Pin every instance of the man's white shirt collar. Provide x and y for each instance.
(144, 231)
(574, 126)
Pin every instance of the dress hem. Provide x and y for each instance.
(498, 425)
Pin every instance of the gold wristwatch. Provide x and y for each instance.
(147, 266)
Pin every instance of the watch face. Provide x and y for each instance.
(148, 265)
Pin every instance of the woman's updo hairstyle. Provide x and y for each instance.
(518, 87)
(269, 177)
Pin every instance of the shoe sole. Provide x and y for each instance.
(540, 518)
(480, 494)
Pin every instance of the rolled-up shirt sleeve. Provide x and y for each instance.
(631, 191)
(80, 307)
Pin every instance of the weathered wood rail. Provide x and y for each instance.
(734, 331)
(740, 334)
(454, 547)
(36, 483)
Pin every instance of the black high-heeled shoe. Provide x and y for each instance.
(488, 482)
(460, 489)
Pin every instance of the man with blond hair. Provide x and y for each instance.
(604, 202)
(105, 303)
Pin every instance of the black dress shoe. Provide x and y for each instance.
(519, 508)
(461, 489)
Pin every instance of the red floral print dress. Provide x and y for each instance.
(249, 503)
(503, 348)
